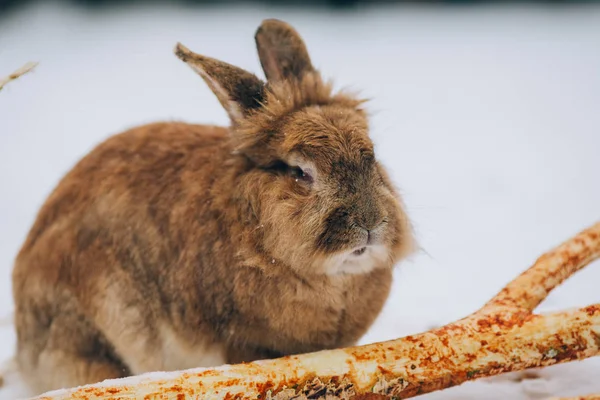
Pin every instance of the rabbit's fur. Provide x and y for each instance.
(172, 246)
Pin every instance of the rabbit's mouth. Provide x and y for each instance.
(359, 252)
(359, 260)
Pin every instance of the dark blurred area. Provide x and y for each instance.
(6, 5)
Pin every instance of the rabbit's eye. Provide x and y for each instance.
(301, 175)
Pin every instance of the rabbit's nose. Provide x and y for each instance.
(373, 230)
(371, 224)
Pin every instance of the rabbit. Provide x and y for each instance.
(173, 246)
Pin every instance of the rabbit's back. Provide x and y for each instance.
(137, 170)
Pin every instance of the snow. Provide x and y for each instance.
(487, 118)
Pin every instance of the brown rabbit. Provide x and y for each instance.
(172, 246)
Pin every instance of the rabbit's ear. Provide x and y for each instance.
(238, 91)
(281, 51)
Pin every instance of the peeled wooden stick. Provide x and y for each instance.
(20, 72)
(502, 336)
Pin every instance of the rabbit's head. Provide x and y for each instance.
(321, 201)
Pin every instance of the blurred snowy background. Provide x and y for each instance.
(487, 115)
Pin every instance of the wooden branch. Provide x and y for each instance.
(18, 73)
(502, 336)
(529, 289)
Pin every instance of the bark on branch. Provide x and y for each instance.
(502, 336)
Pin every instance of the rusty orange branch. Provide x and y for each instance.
(502, 336)
(530, 288)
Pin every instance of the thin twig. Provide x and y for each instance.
(18, 73)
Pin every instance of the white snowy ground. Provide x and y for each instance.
(489, 119)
